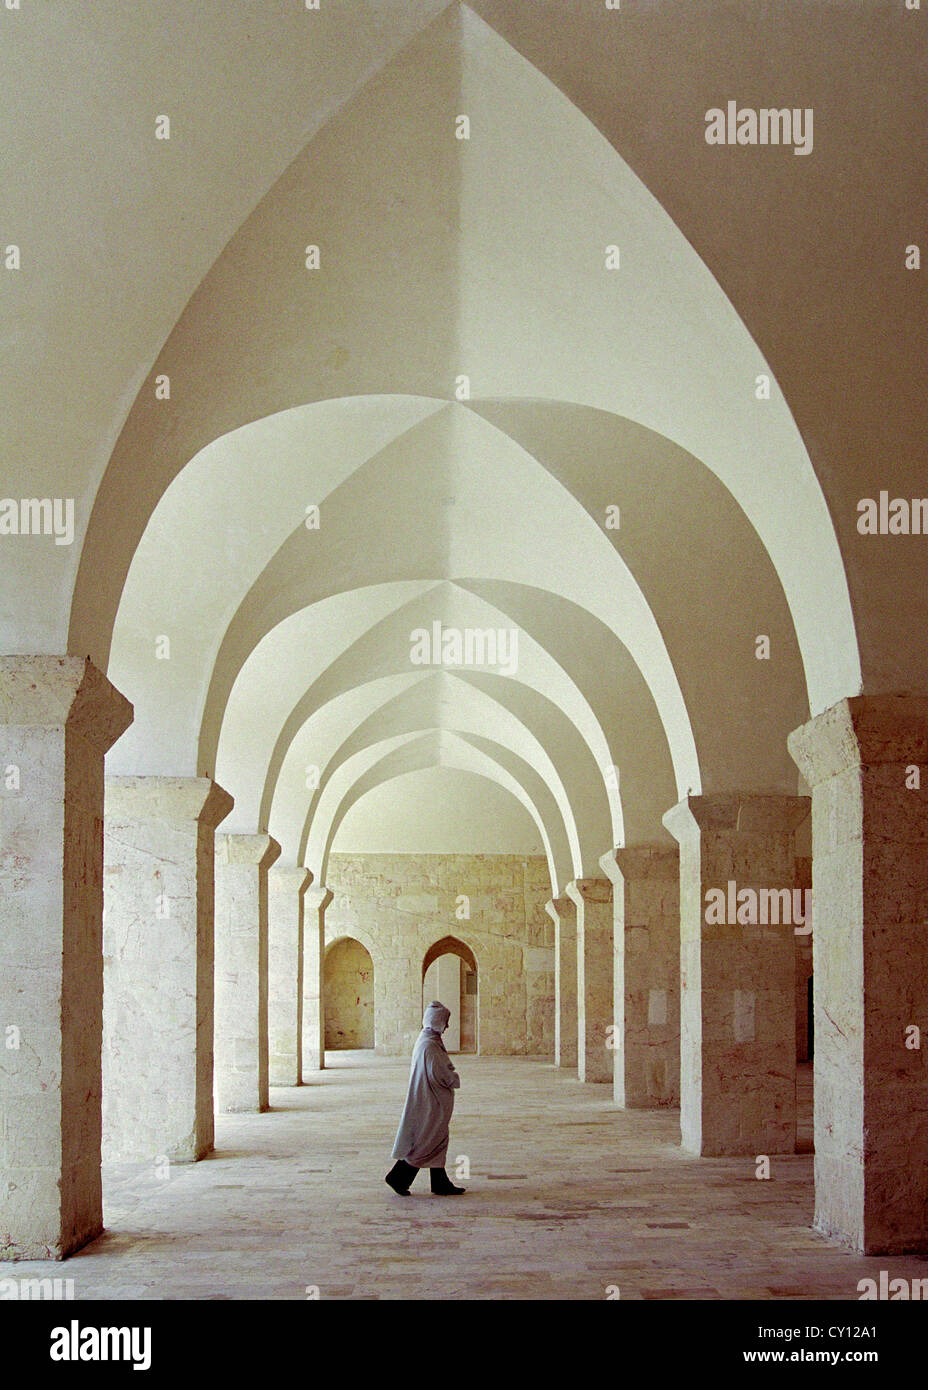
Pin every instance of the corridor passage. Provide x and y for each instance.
(567, 1197)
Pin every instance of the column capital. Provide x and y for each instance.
(589, 890)
(557, 908)
(861, 731)
(258, 850)
(288, 878)
(171, 799)
(736, 813)
(318, 897)
(641, 862)
(59, 691)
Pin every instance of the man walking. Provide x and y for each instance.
(422, 1138)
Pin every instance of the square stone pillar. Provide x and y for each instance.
(866, 760)
(58, 716)
(646, 970)
(286, 886)
(563, 913)
(737, 978)
(242, 862)
(158, 852)
(316, 901)
(595, 986)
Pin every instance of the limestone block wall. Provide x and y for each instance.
(348, 990)
(399, 905)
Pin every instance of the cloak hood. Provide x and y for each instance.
(436, 1016)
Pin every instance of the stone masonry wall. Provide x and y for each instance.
(398, 905)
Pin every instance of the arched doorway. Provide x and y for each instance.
(449, 973)
(348, 995)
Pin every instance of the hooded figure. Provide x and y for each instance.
(422, 1138)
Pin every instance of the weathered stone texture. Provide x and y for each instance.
(646, 914)
(286, 888)
(595, 989)
(563, 913)
(242, 863)
(870, 951)
(316, 901)
(737, 1003)
(58, 716)
(399, 905)
(348, 988)
(158, 966)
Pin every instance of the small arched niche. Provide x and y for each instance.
(449, 973)
(348, 994)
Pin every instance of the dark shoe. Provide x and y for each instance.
(400, 1177)
(442, 1186)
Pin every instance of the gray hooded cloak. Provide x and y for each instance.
(422, 1138)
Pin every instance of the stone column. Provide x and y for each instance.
(866, 760)
(595, 987)
(242, 862)
(737, 978)
(646, 969)
(286, 886)
(58, 716)
(564, 915)
(158, 966)
(316, 901)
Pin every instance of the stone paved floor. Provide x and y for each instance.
(567, 1196)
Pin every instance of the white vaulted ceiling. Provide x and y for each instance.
(589, 389)
(290, 649)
